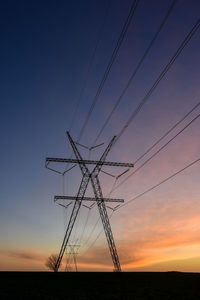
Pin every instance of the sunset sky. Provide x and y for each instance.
(47, 48)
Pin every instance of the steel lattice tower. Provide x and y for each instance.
(93, 177)
(71, 250)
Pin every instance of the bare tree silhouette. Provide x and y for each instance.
(51, 262)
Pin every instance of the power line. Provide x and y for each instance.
(95, 225)
(92, 231)
(136, 69)
(99, 218)
(162, 74)
(89, 66)
(111, 61)
(158, 184)
(170, 130)
(148, 95)
(108, 68)
(145, 192)
(84, 227)
(98, 235)
(74, 239)
(88, 72)
(160, 149)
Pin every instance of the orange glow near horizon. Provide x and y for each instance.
(43, 95)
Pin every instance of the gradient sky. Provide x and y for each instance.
(46, 47)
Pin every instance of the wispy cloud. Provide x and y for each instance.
(159, 240)
(28, 255)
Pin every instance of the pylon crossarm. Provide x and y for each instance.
(56, 198)
(87, 162)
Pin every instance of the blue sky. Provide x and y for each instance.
(46, 48)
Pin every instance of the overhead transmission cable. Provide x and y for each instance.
(162, 74)
(88, 214)
(91, 232)
(158, 184)
(147, 191)
(87, 218)
(98, 235)
(184, 43)
(160, 149)
(168, 132)
(111, 61)
(98, 218)
(86, 76)
(86, 81)
(101, 29)
(74, 238)
(136, 70)
(84, 227)
(108, 68)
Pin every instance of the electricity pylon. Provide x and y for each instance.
(71, 250)
(93, 177)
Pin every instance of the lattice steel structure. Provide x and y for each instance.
(71, 250)
(93, 177)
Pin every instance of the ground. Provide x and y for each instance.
(47, 285)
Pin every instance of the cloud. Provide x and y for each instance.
(28, 255)
(22, 259)
(161, 243)
(152, 240)
(97, 255)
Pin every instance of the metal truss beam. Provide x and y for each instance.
(87, 199)
(87, 162)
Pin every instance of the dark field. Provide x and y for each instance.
(45, 285)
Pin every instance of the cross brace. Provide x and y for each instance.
(86, 199)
